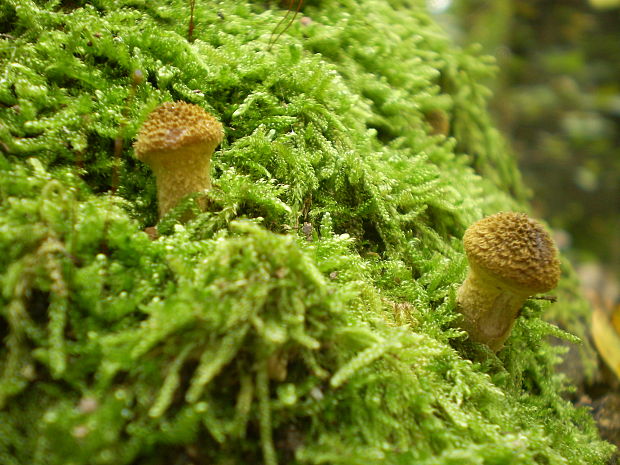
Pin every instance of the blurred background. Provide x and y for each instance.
(557, 100)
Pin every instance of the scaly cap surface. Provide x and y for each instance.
(514, 249)
(173, 125)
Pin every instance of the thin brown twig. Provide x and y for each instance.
(548, 298)
(274, 38)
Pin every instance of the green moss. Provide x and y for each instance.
(306, 316)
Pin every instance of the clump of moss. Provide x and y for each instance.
(307, 315)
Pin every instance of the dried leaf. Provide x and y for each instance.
(606, 339)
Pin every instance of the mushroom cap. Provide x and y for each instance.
(173, 125)
(514, 249)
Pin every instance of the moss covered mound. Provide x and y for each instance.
(307, 316)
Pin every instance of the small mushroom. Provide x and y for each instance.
(177, 142)
(511, 257)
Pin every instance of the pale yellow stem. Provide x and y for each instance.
(489, 308)
(181, 172)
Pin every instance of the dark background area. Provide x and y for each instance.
(557, 98)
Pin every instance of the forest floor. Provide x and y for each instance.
(601, 394)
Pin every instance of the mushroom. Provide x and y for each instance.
(177, 142)
(511, 257)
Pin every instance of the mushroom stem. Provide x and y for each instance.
(489, 308)
(179, 176)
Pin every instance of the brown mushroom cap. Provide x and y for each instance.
(173, 125)
(514, 249)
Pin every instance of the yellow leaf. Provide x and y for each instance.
(606, 339)
(615, 318)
